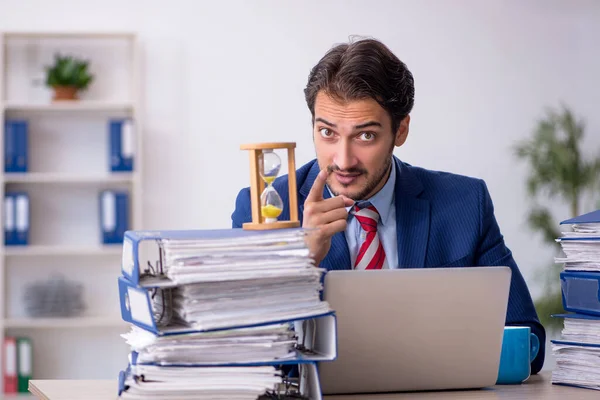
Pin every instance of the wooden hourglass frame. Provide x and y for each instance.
(257, 186)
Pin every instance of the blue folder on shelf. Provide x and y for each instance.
(10, 232)
(16, 145)
(121, 144)
(16, 218)
(114, 215)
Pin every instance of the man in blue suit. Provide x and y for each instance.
(370, 209)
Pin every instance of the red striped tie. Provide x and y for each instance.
(371, 254)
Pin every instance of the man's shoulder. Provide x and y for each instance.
(458, 206)
(444, 183)
(449, 189)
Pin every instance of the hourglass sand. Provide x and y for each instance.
(267, 205)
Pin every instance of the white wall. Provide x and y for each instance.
(218, 74)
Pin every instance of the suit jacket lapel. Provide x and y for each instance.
(412, 218)
(338, 256)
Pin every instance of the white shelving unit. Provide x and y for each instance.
(71, 178)
(67, 323)
(80, 106)
(68, 167)
(57, 250)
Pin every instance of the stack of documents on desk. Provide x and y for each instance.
(580, 279)
(581, 245)
(216, 314)
(213, 305)
(226, 383)
(219, 256)
(578, 350)
(244, 345)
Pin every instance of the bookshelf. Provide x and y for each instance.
(81, 106)
(68, 323)
(68, 153)
(73, 178)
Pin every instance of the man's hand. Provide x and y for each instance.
(328, 216)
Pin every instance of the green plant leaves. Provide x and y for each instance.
(557, 168)
(68, 71)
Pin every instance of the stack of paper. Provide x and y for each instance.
(581, 245)
(578, 351)
(216, 314)
(213, 305)
(226, 383)
(244, 345)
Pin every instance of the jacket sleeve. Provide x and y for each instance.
(492, 251)
(242, 212)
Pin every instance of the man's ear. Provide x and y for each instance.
(402, 132)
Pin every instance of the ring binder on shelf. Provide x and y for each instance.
(16, 145)
(122, 146)
(114, 215)
(16, 218)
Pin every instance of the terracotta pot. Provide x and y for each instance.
(65, 93)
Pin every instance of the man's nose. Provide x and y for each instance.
(344, 157)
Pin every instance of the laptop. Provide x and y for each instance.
(416, 329)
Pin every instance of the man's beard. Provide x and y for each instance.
(370, 185)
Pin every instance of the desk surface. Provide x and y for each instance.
(537, 387)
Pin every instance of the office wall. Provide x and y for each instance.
(221, 73)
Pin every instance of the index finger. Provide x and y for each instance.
(316, 192)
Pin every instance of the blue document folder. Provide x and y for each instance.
(589, 218)
(581, 292)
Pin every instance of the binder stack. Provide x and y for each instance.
(578, 351)
(228, 314)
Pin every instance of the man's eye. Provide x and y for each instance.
(367, 136)
(326, 133)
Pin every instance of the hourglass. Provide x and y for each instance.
(267, 204)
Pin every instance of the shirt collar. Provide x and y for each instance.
(382, 200)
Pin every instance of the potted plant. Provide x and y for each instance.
(68, 76)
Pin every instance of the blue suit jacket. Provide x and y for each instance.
(442, 220)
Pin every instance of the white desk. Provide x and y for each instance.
(538, 387)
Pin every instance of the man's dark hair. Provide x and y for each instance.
(363, 69)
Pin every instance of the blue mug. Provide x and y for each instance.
(519, 348)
